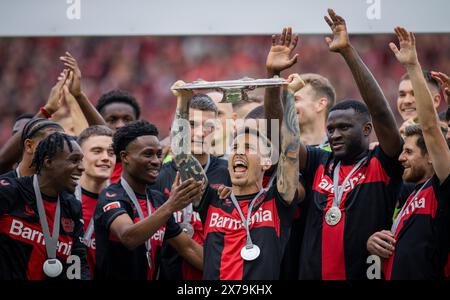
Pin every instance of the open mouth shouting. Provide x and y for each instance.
(240, 167)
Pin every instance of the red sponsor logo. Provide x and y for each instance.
(111, 195)
(4, 182)
(111, 205)
(67, 224)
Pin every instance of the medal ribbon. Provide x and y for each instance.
(246, 222)
(135, 201)
(339, 191)
(50, 240)
(399, 216)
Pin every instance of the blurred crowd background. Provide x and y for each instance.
(147, 66)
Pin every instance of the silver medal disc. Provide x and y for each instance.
(52, 267)
(333, 216)
(250, 253)
(188, 228)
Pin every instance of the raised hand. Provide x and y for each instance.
(295, 83)
(340, 39)
(183, 93)
(75, 74)
(56, 96)
(444, 84)
(182, 194)
(407, 54)
(278, 58)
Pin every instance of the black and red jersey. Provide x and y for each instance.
(423, 234)
(368, 202)
(11, 174)
(113, 259)
(225, 236)
(117, 172)
(173, 266)
(22, 247)
(89, 202)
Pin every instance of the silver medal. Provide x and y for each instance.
(188, 228)
(52, 267)
(333, 216)
(250, 252)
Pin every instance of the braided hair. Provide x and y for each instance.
(49, 147)
(34, 127)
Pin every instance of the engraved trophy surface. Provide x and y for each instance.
(234, 90)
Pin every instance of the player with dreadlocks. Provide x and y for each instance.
(40, 227)
(34, 131)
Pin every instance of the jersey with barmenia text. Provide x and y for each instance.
(423, 234)
(225, 235)
(339, 252)
(22, 247)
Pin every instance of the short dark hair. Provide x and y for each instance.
(96, 130)
(447, 114)
(49, 147)
(428, 77)
(416, 130)
(321, 86)
(358, 106)
(256, 113)
(118, 96)
(128, 133)
(34, 128)
(204, 103)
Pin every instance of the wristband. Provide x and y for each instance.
(45, 112)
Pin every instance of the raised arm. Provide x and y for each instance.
(428, 118)
(133, 234)
(187, 164)
(92, 116)
(278, 60)
(10, 153)
(79, 121)
(382, 116)
(287, 169)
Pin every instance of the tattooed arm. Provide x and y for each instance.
(382, 116)
(287, 170)
(187, 164)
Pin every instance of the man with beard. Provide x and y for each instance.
(416, 247)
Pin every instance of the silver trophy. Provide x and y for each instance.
(234, 90)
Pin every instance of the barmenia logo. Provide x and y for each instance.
(218, 221)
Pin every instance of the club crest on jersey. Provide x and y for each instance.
(67, 224)
(28, 210)
(111, 205)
